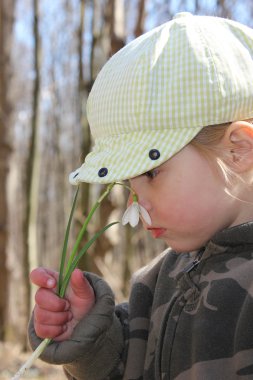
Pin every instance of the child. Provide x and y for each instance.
(171, 112)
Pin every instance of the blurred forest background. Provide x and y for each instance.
(50, 54)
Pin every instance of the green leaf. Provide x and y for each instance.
(79, 256)
(65, 244)
(85, 224)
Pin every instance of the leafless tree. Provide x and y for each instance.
(6, 24)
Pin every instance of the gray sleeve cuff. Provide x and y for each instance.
(96, 345)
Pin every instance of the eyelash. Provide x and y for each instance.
(152, 173)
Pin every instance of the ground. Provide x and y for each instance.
(11, 359)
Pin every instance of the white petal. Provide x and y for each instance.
(134, 218)
(125, 217)
(145, 215)
(131, 215)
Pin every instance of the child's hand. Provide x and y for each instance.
(56, 317)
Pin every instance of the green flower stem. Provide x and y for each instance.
(75, 261)
(71, 265)
(126, 187)
(65, 244)
(31, 359)
(84, 227)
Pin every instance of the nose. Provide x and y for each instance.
(144, 203)
(141, 193)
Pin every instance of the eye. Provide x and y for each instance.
(152, 173)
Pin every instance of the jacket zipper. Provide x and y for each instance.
(193, 264)
(189, 267)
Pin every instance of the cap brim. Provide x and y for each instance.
(127, 156)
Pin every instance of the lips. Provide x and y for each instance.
(156, 232)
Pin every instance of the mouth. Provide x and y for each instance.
(156, 232)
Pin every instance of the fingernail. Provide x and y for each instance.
(50, 282)
(67, 305)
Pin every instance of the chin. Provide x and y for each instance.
(184, 247)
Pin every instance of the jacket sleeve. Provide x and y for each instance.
(96, 349)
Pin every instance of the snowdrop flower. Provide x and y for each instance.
(133, 213)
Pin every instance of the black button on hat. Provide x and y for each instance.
(102, 172)
(154, 154)
(76, 175)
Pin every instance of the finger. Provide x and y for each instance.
(48, 300)
(45, 317)
(43, 277)
(81, 286)
(47, 331)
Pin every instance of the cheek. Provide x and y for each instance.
(186, 205)
(171, 206)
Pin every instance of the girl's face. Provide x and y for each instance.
(186, 200)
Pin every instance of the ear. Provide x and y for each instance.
(238, 141)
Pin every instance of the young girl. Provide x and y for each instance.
(171, 112)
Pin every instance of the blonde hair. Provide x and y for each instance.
(207, 142)
(209, 137)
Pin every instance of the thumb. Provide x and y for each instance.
(80, 286)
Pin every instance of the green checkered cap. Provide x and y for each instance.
(154, 95)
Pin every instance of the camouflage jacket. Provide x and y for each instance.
(189, 317)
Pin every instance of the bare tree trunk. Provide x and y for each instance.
(114, 16)
(34, 158)
(6, 22)
(19, 263)
(83, 90)
(32, 175)
(54, 173)
(139, 28)
(223, 9)
(197, 6)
